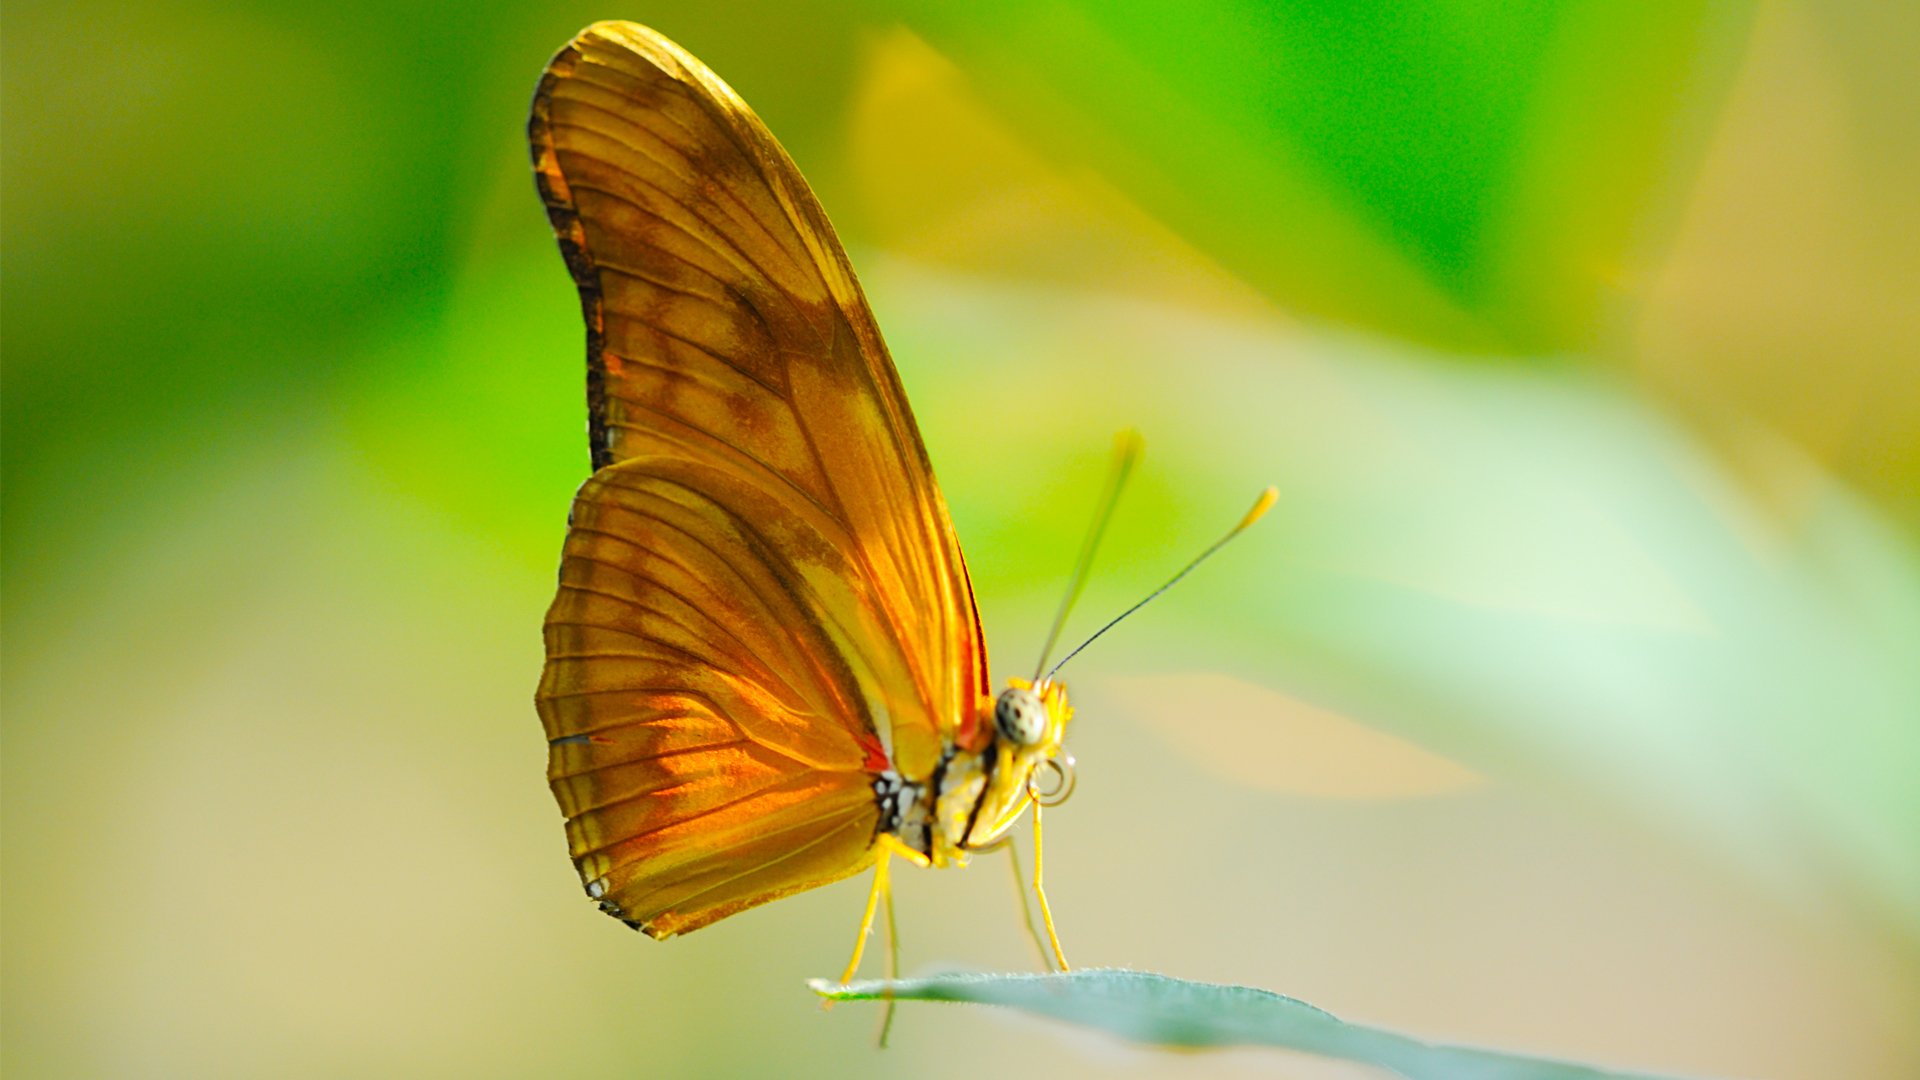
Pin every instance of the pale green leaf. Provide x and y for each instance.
(1149, 1008)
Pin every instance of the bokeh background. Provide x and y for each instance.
(1566, 703)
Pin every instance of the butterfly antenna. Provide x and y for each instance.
(1260, 507)
(1127, 448)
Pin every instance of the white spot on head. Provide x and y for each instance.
(1021, 716)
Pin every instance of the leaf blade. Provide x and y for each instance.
(1159, 1010)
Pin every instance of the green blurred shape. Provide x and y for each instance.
(1163, 1011)
(210, 213)
(1457, 172)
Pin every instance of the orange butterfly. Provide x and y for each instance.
(764, 665)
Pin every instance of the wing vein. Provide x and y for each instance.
(783, 782)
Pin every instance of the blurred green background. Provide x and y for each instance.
(1566, 703)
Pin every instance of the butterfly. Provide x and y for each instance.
(764, 664)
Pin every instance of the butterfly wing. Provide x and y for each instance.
(761, 577)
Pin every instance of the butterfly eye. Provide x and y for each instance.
(1020, 716)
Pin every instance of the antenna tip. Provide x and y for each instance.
(1260, 506)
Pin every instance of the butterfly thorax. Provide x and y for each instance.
(974, 795)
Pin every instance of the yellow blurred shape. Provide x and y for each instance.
(1786, 302)
(943, 181)
(1265, 739)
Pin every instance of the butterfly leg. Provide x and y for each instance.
(1039, 890)
(1020, 893)
(893, 947)
(893, 970)
(880, 888)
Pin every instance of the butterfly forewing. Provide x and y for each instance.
(761, 576)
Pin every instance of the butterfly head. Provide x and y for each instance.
(1031, 722)
(982, 792)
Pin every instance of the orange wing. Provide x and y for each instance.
(761, 576)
